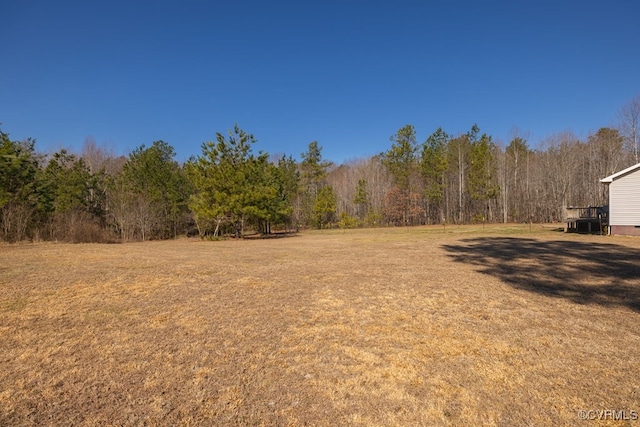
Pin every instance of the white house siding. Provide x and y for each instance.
(624, 204)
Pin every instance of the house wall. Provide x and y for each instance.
(625, 230)
(624, 201)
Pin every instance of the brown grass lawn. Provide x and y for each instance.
(422, 326)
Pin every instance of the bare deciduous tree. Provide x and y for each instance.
(629, 122)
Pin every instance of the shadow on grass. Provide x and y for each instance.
(585, 273)
(274, 235)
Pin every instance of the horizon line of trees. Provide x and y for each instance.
(95, 196)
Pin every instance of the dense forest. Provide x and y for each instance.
(231, 190)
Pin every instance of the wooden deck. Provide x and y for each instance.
(591, 219)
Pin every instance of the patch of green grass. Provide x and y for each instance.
(444, 229)
(16, 304)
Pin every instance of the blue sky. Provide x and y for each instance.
(347, 74)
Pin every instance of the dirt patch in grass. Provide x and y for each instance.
(421, 326)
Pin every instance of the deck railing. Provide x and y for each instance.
(590, 212)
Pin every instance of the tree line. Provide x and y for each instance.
(231, 190)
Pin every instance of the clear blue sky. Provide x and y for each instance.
(346, 73)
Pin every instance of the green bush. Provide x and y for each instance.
(347, 221)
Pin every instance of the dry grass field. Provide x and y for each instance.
(463, 326)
